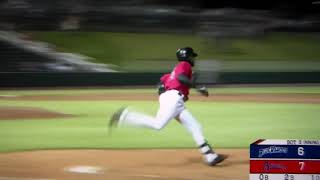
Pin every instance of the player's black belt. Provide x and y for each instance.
(179, 93)
(185, 98)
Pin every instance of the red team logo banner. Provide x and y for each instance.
(285, 160)
(285, 166)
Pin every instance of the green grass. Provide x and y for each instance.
(226, 124)
(131, 51)
(213, 90)
(115, 48)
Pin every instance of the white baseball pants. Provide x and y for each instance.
(171, 106)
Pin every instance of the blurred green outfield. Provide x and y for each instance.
(226, 124)
(133, 51)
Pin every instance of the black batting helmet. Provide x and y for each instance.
(186, 54)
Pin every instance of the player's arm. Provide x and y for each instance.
(192, 84)
(183, 79)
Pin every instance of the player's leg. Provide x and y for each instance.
(195, 129)
(171, 104)
(192, 125)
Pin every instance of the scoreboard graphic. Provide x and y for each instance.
(294, 159)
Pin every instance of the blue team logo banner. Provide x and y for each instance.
(285, 151)
(272, 150)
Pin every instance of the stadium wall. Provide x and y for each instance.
(48, 79)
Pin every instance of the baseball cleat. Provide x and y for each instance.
(115, 118)
(218, 160)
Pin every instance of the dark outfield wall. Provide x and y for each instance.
(134, 79)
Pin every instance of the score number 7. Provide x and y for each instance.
(301, 164)
(301, 153)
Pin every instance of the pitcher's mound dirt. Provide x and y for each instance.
(15, 113)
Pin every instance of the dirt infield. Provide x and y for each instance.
(182, 164)
(14, 113)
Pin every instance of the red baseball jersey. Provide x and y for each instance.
(171, 81)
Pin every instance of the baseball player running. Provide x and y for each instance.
(173, 93)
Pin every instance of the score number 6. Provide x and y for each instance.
(300, 151)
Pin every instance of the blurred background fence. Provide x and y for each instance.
(49, 79)
(215, 18)
(238, 42)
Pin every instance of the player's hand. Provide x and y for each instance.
(203, 91)
(160, 88)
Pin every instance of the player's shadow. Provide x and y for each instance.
(230, 161)
(196, 160)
